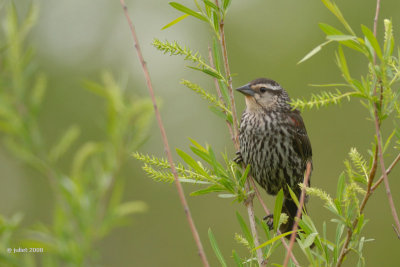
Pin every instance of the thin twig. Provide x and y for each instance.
(249, 201)
(388, 170)
(299, 212)
(250, 211)
(385, 178)
(165, 141)
(267, 212)
(230, 88)
(218, 89)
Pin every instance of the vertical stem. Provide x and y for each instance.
(299, 211)
(250, 211)
(230, 89)
(218, 89)
(165, 141)
(249, 200)
(385, 178)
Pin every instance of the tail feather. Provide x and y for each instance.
(290, 208)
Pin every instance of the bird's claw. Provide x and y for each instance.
(238, 159)
(269, 220)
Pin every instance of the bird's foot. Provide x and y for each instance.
(238, 159)
(269, 220)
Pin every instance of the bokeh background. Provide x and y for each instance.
(76, 40)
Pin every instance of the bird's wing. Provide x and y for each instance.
(301, 143)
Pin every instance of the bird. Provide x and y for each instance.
(274, 142)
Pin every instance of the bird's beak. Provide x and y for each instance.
(246, 90)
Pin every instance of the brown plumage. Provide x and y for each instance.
(274, 141)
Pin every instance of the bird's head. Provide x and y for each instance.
(264, 94)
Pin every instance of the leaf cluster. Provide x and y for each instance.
(88, 193)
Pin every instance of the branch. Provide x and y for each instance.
(250, 211)
(228, 75)
(385, 178)
(235, 138)
(218, 89)
(165, 140)
(299, 211)
(380, 180)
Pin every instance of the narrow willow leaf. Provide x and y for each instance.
(226, 195)
(237, 259)
(211, 4)
(215, 247)
(188, 11)
(329, 30)
(211, 189)
(216, 55)
(309, 240)
(336, 11)
(274, 239)
(215, 21)
(294, 197)
(245, 229)
(372, 40)
(340, 37)
(191, 162)
(175, 21)
(278, 208)
(341, 61)
(65, 143)
(226, 4)
(340, 187)
(313, 52)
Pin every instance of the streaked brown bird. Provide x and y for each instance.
(274, 141)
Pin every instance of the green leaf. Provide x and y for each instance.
(309, 240)
(131, 207)
(342, 63)
(245, 230)
(372, 40)
(294, 197)
(274, 239)
(278, 208)
(215, 21)
(340, 37)
(65, 143)
(353, 43)
(210, 72)
(313, 52)
(227, 4)
(211, 189)
(191, 162)
(211, 4)
(188, 11)
(336, 11)
(175, 21)
(214, 245)
(340, 187)
(237, 259)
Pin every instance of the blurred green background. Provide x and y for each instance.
(76, 40)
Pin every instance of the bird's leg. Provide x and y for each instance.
(269, 220)
(238, 159)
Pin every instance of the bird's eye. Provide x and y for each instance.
(263, 89)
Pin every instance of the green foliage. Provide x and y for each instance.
(88, 195)
(226, 177)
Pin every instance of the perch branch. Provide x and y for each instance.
(298, 215)
(165, 140)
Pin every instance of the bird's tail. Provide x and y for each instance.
(290, 208)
